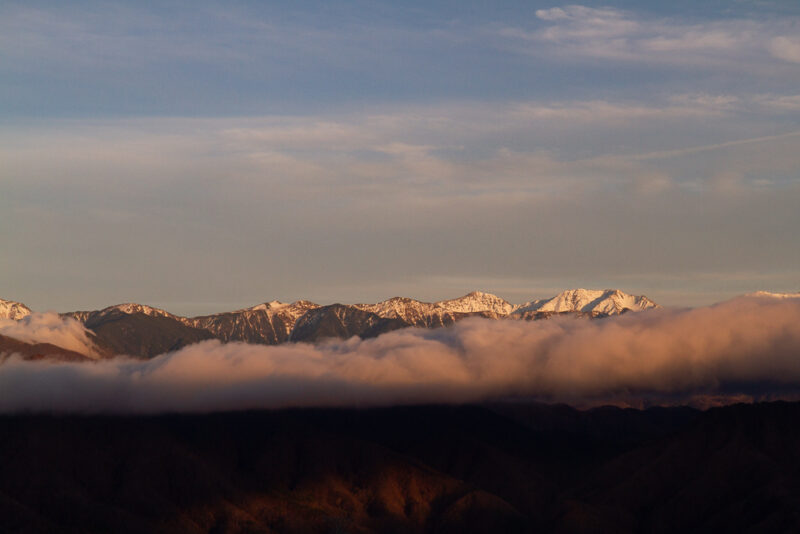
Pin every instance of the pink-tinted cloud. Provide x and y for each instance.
(747, 347)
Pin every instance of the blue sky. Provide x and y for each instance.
(204, 156)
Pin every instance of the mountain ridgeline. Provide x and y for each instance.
(144, 331)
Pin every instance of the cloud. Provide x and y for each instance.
(575, 189)
(717, 146)
(579, 22)
(554, 13)
(785, 48)
(470, 144)
(779, 102)
(746, 346)
(50, 328)
(621, 35)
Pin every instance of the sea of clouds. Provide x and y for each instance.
(745, 348)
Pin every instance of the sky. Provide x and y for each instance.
(203, 157)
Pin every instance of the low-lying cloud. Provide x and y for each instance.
(50, 328)
(744, 348)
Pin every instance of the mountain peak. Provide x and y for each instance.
(271, 305)
(10, 309)
(479, 294)
(396, 307)
(477, 301)
(596, 301)
(130, 308)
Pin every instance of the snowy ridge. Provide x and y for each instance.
(602, 302)
(13, 310)
(431, 314)
(596, 302)
(271, 321)
(476, 302)
(273, 305)
(289, 312)
(398, 308)
(130, 308)
(145, 331)
(127, 308)
(769, 294)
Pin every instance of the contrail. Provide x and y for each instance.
(661, 154)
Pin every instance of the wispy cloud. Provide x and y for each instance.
(620, 35)
(337, 145)
(479, 147)
(779, 102)
(716, 146)
(574, 189)
(786, 48)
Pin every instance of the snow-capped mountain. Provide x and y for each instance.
(145, 331)
(13, 310)
(588, 301)
(434, 314)
(270, 322)
(342, 321)
(476, 302)
(127, 308)
(138, 330)
(409, 310)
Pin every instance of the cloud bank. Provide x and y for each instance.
(50, 328)
(748, 346)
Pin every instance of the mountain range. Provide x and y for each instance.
(145, 331)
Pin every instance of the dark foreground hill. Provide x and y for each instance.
(491, 468)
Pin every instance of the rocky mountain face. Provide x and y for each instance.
(270, 323)
(144, 331)
(432, 315)
(138, 330)
(342, 321)
(37, 351)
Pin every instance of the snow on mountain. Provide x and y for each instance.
(477, 301)
(276, 322)
(273, 305)
(270, 322)
(769, 294)
(433, 314)
(289, 312)
(131, 308)
(409, 310)
(596, 302)
(592, 302)
(13, 310)
(128, 308)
